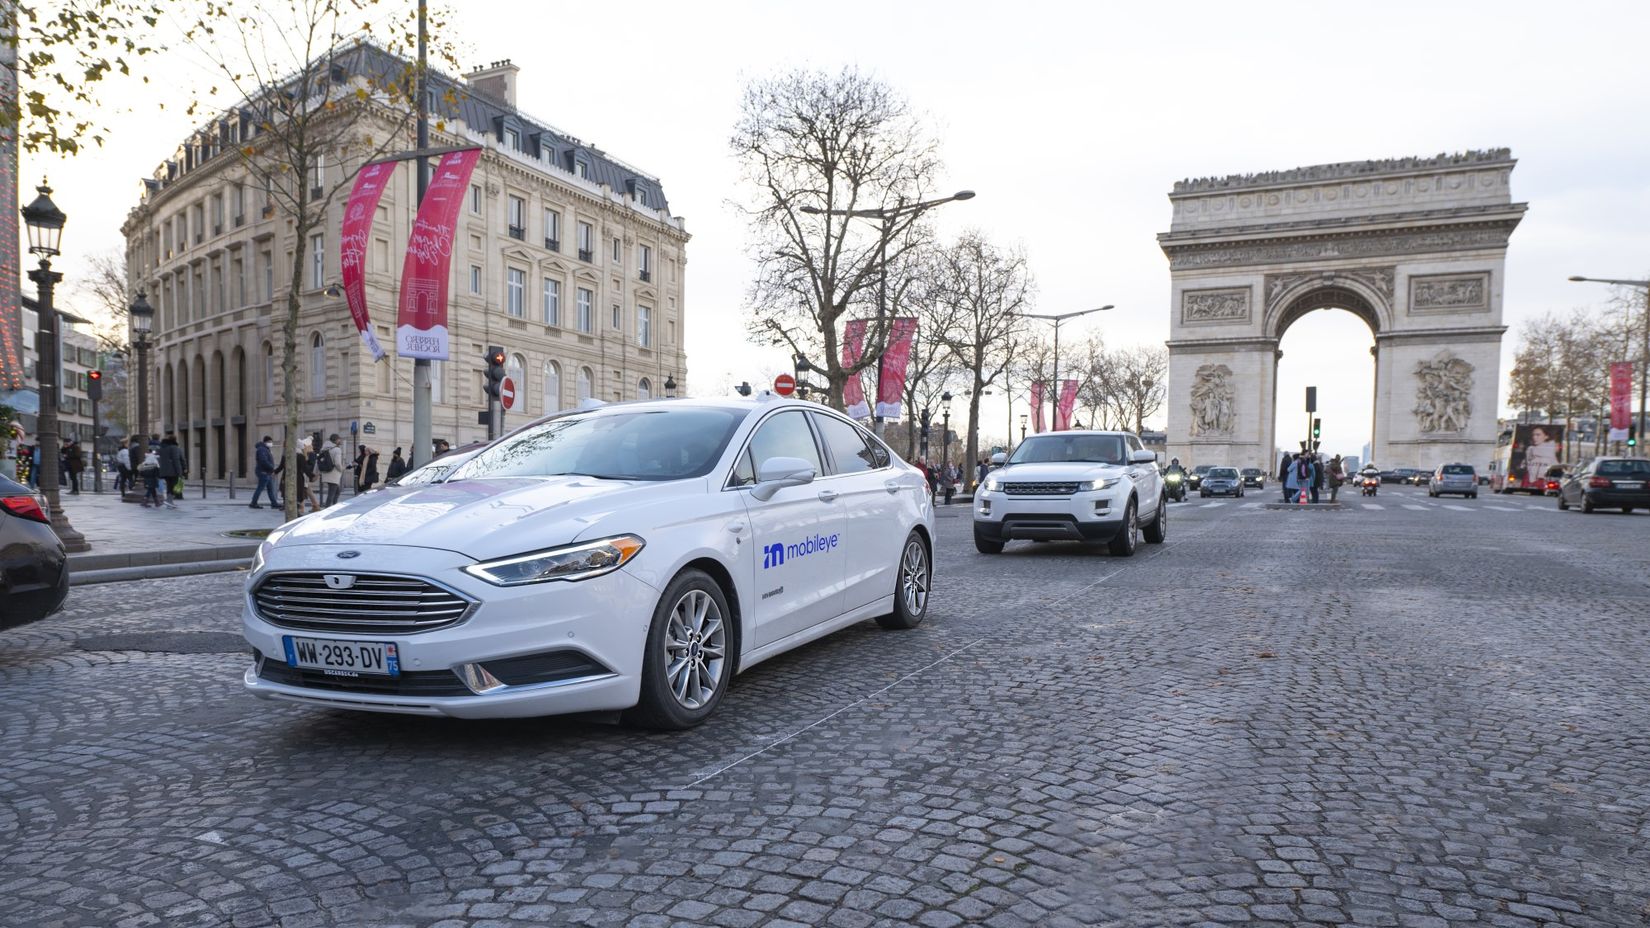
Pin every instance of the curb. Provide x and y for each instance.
(154, 571)
(87, 563)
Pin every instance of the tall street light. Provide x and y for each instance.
(889, 217)
(1644, 363)
(45, 223)
(1057, 320)
(143, 321)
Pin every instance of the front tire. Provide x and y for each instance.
(685, 667)
(1159, 527)
(985, 545)
(1127, 539)
(1562, 505)
(914, 578)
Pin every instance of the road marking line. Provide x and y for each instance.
(1501, 508)
(1218, 502)
(1373, 506)
(1458, 508)
(1415, 507)
(1253, 505)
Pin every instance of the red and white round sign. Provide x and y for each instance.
(507, 393)
(784, 385)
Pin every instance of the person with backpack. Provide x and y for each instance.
(329, 463)
(149, 472)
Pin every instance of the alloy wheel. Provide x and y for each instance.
(695, 649)
(913, 577)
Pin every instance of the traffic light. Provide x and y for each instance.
(1317, 429)
(495, 370)
(1633, 437)
(94, 385)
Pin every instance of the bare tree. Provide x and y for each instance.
(811, 146)
(321, 84)
(933, 370)
(1139, 382)
(988, 289)
(104, 289)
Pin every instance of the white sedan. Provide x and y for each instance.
(631, 557)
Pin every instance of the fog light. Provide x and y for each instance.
(985, 507)
(478, 679)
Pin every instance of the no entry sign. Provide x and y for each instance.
(784, 385)
(507, 393)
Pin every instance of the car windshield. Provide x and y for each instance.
(1203, 468)
(1635, 468)
(1086, 449)
(1251, 472)
(1223, 473)
(652, 444)
(1461, 469)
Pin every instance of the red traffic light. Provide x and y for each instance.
(496, 357)
(94, 375)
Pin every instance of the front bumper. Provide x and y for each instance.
(1093, 517)
(599, 625)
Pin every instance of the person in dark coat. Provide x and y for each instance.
(397, 466)
(265, 470)
(74, 463)
(303, 462)
(369, 470)
(171, 468)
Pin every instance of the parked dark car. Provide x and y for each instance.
(1608, 483)
(34, 568)
(1221, 481)
(1194, 480)
(1254, 477)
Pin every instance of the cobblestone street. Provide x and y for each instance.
(1414, 715)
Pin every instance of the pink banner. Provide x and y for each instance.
(359, 211)
(1037, 406)
(853, 391)
(1067, 404)
(1621, 399)
(891, 382)
(421, 321)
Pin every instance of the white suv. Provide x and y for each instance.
(1073, 486)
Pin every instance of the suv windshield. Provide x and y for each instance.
(654, 444)
(1086, 449)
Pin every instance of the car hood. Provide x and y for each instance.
(482, 519)
(1055, 472)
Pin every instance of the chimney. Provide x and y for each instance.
(497, 80)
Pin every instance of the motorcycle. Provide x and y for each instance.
(1371, 485)
(1176, 485)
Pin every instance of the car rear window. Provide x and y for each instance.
(1623, 468)
(1458, 469)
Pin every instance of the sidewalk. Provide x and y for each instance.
(131, 542)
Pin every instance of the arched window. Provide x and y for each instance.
(516, 370)
(317, 366)
(644, 389)
(436, 368)
(269, 373)
(587, 382)
(552, 387)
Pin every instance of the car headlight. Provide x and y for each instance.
(574, 562)
(1102, 484)
(993, 485)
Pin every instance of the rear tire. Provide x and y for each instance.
(1586, 504)
(1127, 539)
(687, 650)
(1159, 527)
(913, 578)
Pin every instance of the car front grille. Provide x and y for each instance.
(1039, 489)
(373, 603)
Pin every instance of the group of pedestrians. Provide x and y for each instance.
(71, 463)
(160, 466)
(942, 477)
(318, 472)
(1309, 471)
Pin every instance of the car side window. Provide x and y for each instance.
(879, 452)
(786, 435)
(1134, 444)
(847, 448)
(744, 474)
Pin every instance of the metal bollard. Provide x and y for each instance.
(231, 484)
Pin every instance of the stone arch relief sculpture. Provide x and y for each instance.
(1443, 395)
(1213, 401)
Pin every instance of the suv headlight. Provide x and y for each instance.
(1105, 483)
(993, 484)
(573, 562)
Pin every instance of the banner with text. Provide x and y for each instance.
(359, 211)
(891, 381)
(1068, 404)
(421, 319)
(1037, 406)
(1621, 399)
(853, 390)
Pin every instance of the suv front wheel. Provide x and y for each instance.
(1128, 537)
(1158, 529)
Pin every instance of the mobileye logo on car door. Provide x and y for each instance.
(775, 555)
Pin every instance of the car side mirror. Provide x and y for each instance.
(776, 474)
(999, 459)
(1143, 456)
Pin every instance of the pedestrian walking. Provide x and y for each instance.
(1337, 476)
(75, 463)
(302, 460)
(172, 469)
(397, 467)
(1285, 468)
(123, 468)
(264, 468)
(1317, 473)
(356, 468)
(369, 470)
(149, 472)
(329, 464)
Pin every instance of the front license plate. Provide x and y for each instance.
(343, 658)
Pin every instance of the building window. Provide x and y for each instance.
(617, 318)
(516, 370)
(552, 302)
(512, 139)
(317, 261)
(217, 213)
(587, 322)
(587, 241)
(475, 199)
(618, 251)
(644, 389)
(552, 387)
(317, 177)
(670, 332)
(239, 215)
(580, 169)
(475, 278)
(268, 259)
(552, 230)
(269, 373)
(644, 326)
(518, 218)
(515, 293)
(644, 263)
(586, 383)
(317, 366)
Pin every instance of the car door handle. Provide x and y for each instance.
(891, 486)
(827, 496)
(736, 527)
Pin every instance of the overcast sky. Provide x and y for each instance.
(1072, 121)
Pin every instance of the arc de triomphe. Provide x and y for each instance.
(1414, 246)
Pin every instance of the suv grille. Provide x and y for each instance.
(1039, 489)
(380, 603)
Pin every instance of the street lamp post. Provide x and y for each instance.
(945, 431)
(670, 386)
(1644, 362)
(1062, 317)
(1146, 384)
(1023, 418)
(888, 217)
(143, 320)
(45, 223)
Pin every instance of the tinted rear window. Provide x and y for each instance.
(1624, 468)
(1461, 469)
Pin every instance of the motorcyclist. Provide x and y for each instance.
(1175, 479)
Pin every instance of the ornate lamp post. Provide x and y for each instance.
(945, 430)
(143, 321)
(670, 386)
(45, 223)
(1146, 384)
(1023, 418)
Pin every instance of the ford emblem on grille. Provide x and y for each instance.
(339, 581)
(349, 554)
